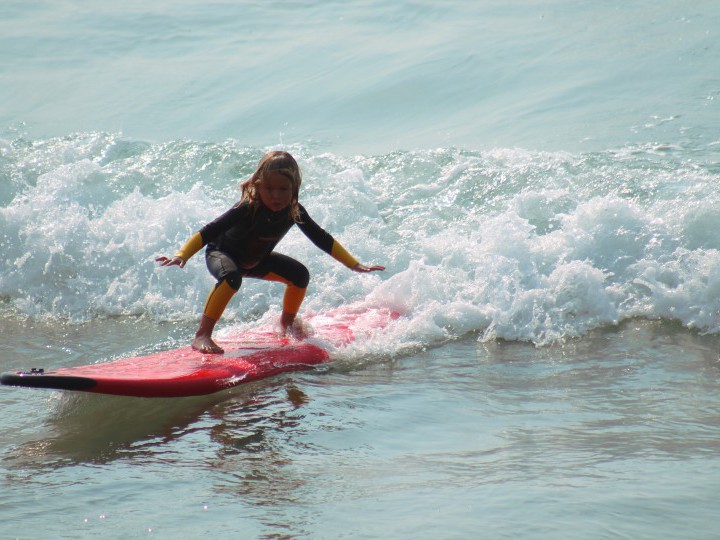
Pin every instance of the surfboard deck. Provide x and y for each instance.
(254, 355)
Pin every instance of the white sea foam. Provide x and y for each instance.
(505, 244)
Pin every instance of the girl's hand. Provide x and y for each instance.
(362, 268)
(175, 261)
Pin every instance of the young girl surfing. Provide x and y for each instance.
(240, 244)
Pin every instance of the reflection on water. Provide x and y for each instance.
(90, 428)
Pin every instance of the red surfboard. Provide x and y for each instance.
(185, 372)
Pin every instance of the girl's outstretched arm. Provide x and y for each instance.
(190, 248)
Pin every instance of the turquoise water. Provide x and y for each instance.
(540, 180)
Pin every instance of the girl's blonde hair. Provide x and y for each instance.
(280, 162)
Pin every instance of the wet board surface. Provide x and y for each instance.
(254, 355)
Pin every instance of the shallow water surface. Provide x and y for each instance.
(613, 435)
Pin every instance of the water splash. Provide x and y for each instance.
(503, 243)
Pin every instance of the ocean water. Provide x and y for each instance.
(540, 180)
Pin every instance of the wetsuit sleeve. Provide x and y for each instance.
(212, 230)
(322, 239)
(237, 214)
(339, 253)
(191, 247)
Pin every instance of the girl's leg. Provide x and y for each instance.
(215, 304)
(229, 280)
(292, 299)
(284, 269)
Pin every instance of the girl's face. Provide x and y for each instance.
(275, 191)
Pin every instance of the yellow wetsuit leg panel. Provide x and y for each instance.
(294, 296)
(218, 300)
(293, 299)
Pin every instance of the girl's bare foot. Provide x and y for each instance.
(292, 326)
(205, 344)
(203, 337)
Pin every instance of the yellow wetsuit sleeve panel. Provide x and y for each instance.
(191, 247)
(339, 253)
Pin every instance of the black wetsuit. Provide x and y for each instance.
(240, 242)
